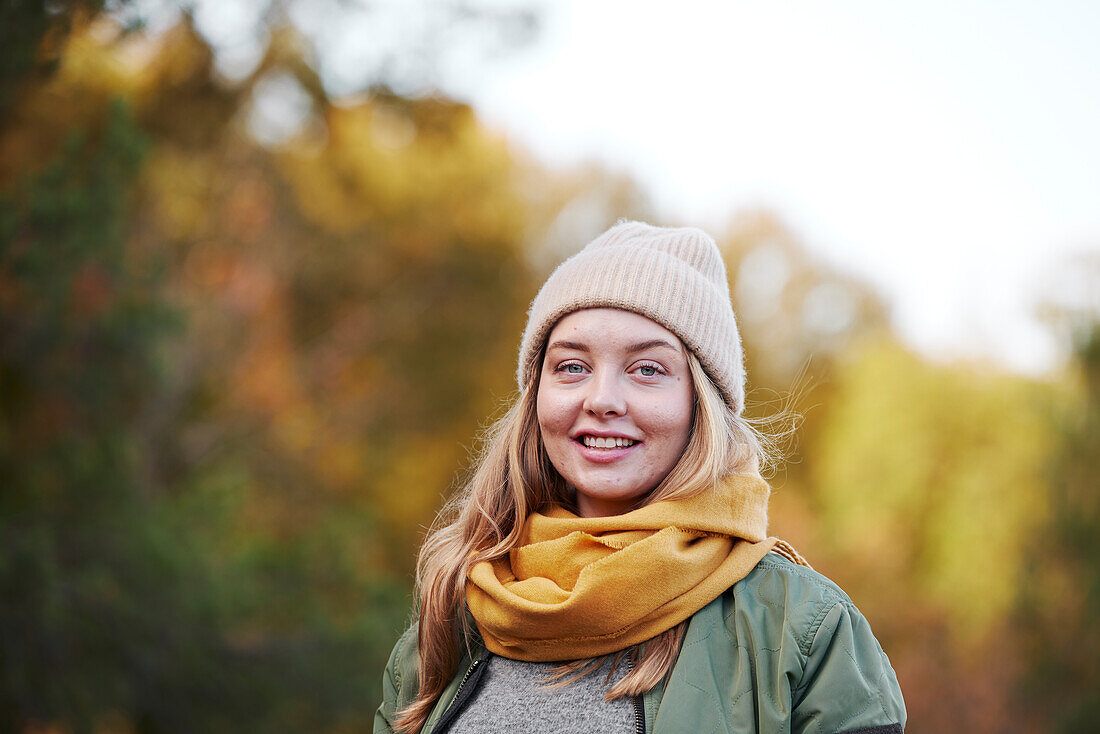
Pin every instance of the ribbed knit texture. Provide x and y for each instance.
(579, 587)
(674, 276)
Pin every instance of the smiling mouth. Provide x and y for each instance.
(610, 442)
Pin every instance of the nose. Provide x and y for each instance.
(605, 395)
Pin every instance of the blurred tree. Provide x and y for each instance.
(156, 564)
(353, 290)
(122, 600)
(32, 36)
(415, 48)
(796, 316)
(909, 479)
(925, 484)
(1060, 584)
(84, 552)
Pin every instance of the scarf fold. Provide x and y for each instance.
(577, 587)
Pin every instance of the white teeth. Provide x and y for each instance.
(615, 442)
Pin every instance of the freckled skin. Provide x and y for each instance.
(597, 383)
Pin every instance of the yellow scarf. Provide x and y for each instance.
(580, 587)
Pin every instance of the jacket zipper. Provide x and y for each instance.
(461, 695)
(639, 703)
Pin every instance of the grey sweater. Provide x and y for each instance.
(512, 696)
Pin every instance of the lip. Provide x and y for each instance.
(576, 435)
(603, 456)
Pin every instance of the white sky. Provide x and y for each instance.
(949, 152)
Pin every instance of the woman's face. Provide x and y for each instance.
(614, 407)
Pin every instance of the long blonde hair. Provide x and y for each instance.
(512, 479)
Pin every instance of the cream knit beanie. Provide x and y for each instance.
(674, 276)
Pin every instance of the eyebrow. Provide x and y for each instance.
(632, 349)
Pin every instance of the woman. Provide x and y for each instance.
(607, 567)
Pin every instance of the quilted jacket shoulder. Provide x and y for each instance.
(783, 650)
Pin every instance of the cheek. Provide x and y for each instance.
(675, 417)
(554, 424)
(548, 412)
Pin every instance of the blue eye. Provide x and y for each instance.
(648, 370)
(573, 369)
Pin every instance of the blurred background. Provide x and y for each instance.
(263, 273)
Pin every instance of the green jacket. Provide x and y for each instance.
(783, 650)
